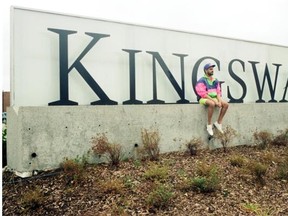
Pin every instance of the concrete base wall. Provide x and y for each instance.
(40, 138)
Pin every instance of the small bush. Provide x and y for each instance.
(74, 170)
(150, 140)
(101, 146)
(208, 180)
(117, 210)
(32, 199)
(262, 139)
(258, 170)
(194, 145)
(250, 207)
(204, 169)
(114, 186)
(227, 137)
(268, 157)
(200, 184)
(205, 184)
(156, 172)
(137, 163)
(160, 197)
(257, 210)
(237, 160)
(128, 182)
(184, 185)
(282, 170)
(281, 139)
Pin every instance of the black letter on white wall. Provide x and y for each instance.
(64, 69)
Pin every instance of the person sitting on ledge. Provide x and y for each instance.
(209, 94)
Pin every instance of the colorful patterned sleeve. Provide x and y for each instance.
(201, 89)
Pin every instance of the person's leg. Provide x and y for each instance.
(210, 106)
(223, 110)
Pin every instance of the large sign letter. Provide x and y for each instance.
(132, 69)
(181, 92)
(64, 69)
(260, 89)
(239, 80)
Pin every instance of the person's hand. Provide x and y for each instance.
(218, 103)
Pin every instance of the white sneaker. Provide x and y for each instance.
(219, 127)
(210, 130)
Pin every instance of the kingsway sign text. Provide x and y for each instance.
(69, 60)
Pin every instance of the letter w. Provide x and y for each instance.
(260, 89)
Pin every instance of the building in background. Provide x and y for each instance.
(5, 101)
(5, 105)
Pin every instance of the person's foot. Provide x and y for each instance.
(219, 127)
(210, 130)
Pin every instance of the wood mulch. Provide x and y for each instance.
(130, 188)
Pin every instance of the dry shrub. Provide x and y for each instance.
(268, 157)
(281, 139)
(74, 171)
(262, 139)
(156, 172)
(193, 145)
(258, 170)
(238, 160)
(32, 199)
(101, 146)
(184, 185)
(227, 137)
(117, 209)
(282, 169)
(113, 186)
(204, 169)
(150, 140)
(256, 209)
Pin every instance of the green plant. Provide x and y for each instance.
(208, 179)
(160, 196)
(207, 183)
(137, 163)
(226, 137)
(128, 182)
(193, 145)
(281, 139)
(101, 146)
(156, 172)
(262, 139)
(32, 199)
(150, 140)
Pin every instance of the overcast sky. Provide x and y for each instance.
(254, 20)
